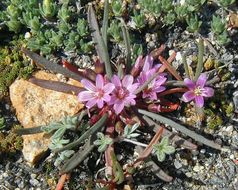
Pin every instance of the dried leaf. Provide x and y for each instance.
(56, 86)
(43, 62)
(182, 129)
(100, 44)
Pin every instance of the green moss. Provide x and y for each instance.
(13, 64)
(229, 109)
(214, 122)
(2, 123)
(10, 143)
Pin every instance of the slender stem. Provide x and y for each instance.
(185, 64)
(89, 132)
(134, 142)
(105, 21)
(214, 80)
(175, 83)
(78, 157)
(29, 131)
(200, 59)
(126, 38)
(182, 129)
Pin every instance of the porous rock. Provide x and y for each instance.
(36, 106)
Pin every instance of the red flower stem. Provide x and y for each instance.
(63, 178)
(149, 148)
(157, 52)
(86, 73)
(170, 68)
(169, 60)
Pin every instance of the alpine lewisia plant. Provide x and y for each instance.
(121, 93)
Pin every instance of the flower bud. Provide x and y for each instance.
(154, 108)
(99, 67)
(137, 66)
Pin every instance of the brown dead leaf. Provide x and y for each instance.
(233, 20)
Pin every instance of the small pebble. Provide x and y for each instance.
(34, 182)
(232, 156)
(33, 176)
(195, 152)
(5, 174)
(202, 151)
(177, 164)
(195, 158)
(188, 174)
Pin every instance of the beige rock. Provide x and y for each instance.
(36, 106)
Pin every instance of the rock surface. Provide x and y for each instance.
(36, 106)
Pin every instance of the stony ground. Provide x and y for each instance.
(204, 169)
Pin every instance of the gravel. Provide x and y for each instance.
(18, 175)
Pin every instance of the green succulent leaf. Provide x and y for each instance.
(57, 143)
(165, 141)
(169, 149)
(160, 156)
(102, 141)
(226, 3)
(59, 133)
(217, 25)
(117, 7)
(129, 131)
(163, 148)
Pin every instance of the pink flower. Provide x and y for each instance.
(155, 85)
(124, 92)
(96, 94)
(197, 90)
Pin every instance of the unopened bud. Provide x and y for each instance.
(154, 108)
(137, 66)
(119, 127)
(99, 67)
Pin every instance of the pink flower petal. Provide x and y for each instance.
(159, 89)
(106, 98)
(99, 81)
(118, 107)
(91, 103)
(157, 66)
(153, 96)
(100, 103)
(202, 79)
(116, 81)
(127, 81)
(189, 83)
(207, 92)
(88, 85)
(85, 96)
(188, 96)
(129, 100)
(108, 88)
(160, 81)
(148, 63)
(133, 87)
(199, 101)
(138, 61)
(113, 100)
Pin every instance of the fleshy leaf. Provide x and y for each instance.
(160, 156)
(169, 150)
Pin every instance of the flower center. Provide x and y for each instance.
(198, 91)
(121, 93)
(147, 90)
(99, 93)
